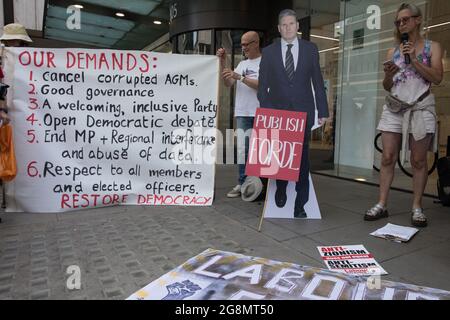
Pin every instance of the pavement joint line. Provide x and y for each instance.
(358, 212)
(333, 228)
(289, 239)
(261, 233)
(306, 254)
(413, 251)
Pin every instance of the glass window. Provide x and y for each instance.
(356, 94)
(196, 42)
(324, 16)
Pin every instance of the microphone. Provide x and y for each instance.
(405, 39)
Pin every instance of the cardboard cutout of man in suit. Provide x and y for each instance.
(287, 69)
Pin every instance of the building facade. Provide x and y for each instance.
(353, 37)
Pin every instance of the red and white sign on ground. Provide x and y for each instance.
(354, 260)
(276, 144)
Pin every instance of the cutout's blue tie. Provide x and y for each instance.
(289, 62)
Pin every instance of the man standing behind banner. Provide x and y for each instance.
(288, 68)
(246, 78)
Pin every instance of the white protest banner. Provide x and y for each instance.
(96, 128)
(276, 144)
(353, 260)
(219, 275)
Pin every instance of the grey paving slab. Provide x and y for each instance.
(397, 205)
(397, 197)
(259, 244)
(271, 229)
(233, 212)
(438, 224)
(337, 190)
(342, 187)
(332, 217)
(340, 190)
(251, 208)
(77, 216)
(306, 246)
(426, 267)
(28, 218)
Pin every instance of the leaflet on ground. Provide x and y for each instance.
(395, 233)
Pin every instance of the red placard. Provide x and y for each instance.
(276, 144)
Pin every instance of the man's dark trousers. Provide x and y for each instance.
(302, 186)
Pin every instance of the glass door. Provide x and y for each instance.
(323, 17)
(366, 32)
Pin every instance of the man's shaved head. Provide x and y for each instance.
(250, 44)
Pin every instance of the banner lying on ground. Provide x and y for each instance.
(354, 260)
(214, 275)
(104, 127)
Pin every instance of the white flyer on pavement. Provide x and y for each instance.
(395, 233)
(353, 260)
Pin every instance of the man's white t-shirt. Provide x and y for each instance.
(246, 99)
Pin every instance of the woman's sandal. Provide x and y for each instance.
(418, 218)
(376, 212)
